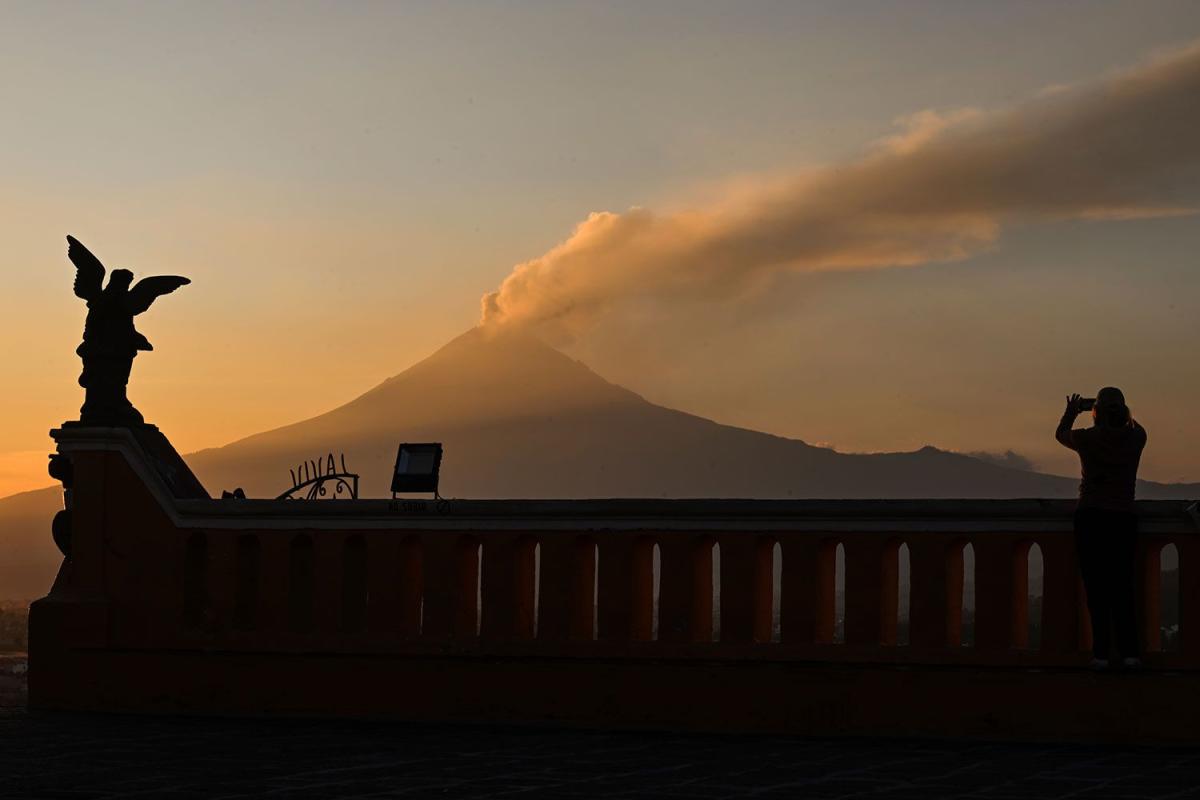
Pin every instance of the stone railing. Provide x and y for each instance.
(164, 572)
(645, 577)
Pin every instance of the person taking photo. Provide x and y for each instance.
(1105, 518)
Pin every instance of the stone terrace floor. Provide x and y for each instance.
(60, 755)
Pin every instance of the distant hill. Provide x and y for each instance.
(28, 557)
(520, 419)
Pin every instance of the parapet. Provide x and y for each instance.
(707, 614)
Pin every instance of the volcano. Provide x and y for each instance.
(519, 419)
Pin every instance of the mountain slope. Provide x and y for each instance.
(28, 557)
(519, 419)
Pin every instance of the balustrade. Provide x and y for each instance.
(639, 593)
(707, 612)
(817, 580)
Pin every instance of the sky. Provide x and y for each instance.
(343, 183)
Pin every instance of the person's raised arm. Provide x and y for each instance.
(1138, 429)
(1063, 433)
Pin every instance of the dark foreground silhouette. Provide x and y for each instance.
(1106, 524)
(110, 341)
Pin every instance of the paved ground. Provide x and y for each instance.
(57, 755)
(12, 680)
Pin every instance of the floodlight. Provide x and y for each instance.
(417, 466)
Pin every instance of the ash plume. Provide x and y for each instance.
(1123, 146)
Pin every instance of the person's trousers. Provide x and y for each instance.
(1106, 542)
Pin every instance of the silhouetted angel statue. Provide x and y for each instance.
(109, 339)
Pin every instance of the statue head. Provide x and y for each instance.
(120, 279)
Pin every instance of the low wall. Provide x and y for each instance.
(606, 612)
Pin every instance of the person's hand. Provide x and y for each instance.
(1073, 405)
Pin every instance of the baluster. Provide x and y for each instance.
(443, 557)
(619, 589)
(221, 574)
(1149, 593)
(451, 588)
(1019, 629)
(273, 581)
(329, 552)
(502, 575)
(1061, 611)
(583, 590)
(410, 574)
(525, 588)
(302, 579)
(764, 583)
(745, 588)
(626, 593)
(558, 591)
(685, 588)
(384, 583)
(645, 606)
(247, 615)
(356, 593)
(807, 590)
(936, 581)
(997, 605)
(469, 602)
(1189, 599)
(871, 589)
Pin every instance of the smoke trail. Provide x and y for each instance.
(1124, 146)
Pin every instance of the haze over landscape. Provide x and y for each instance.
(819, 251)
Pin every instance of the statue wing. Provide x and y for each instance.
(147, 290)
(89, 272)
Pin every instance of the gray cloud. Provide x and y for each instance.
(1009, 458)
(1123, 146)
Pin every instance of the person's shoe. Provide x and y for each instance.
(1131, 663)
(1098, 664)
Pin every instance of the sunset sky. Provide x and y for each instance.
(344, 182)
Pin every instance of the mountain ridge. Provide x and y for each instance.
(489, 383)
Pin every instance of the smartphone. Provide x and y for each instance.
(1087, 403)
